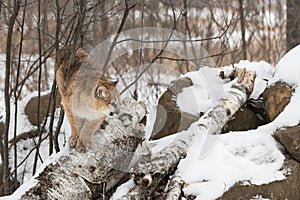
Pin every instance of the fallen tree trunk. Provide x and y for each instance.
(175, 188)
(153, 168)
(86, 175)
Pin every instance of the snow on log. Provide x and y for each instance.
(153, 168)
(85, 175)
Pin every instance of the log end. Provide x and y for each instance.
(246, 78)
(146, 181)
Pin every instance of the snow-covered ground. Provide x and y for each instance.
(215, 163)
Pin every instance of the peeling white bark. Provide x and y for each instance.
(175, 188)
(159, 165)
(112, 154)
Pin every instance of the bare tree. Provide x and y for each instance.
(16, 97)
(14, 14)
(293, 23)
(243, 30)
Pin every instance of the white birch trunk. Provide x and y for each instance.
(152, 169)
(86, 175)
(175, 188)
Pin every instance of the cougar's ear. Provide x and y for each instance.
(101, 92)
(114, 80)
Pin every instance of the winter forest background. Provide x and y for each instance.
(32, 31)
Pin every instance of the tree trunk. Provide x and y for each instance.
(292, 24)
(14, 14)
(243, 30)
(151, 169)
(86, 175)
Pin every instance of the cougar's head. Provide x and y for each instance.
(106, 96)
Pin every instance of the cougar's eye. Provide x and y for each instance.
(105, 94)
(101, 92)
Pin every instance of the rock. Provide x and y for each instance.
(169, 119)
(31, 108)
(276, 98)
(290, 139)
(277, 190)
(244, 119)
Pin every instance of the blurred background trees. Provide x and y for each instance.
(292, 23)
(31, 31)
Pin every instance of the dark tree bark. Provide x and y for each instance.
(16, 97)
(14, 14)
(292, 24)
(243, 30)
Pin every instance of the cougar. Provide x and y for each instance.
(87, 96)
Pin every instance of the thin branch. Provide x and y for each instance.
(114, 42)
(7, 95)
(177, 40)
(16, 95)
(37, 154)
(196, 59)
(57, 130)
(157, 56)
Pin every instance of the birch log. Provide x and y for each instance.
(86, 175)
(175, 188)
(150, 171)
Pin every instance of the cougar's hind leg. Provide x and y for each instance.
(74, 129)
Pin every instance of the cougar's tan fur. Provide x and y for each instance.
(87, 96)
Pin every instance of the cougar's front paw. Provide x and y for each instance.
(72, 142)
(83, 145)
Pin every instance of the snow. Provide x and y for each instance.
(206, 90)
(264, 73)
(208, 87)
(288, 68)
(233, 157)
(122, 190)
(214, 163)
